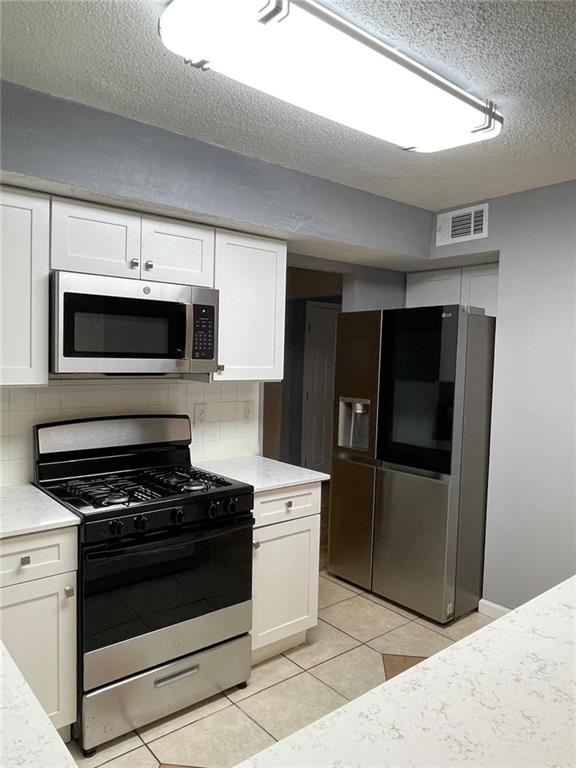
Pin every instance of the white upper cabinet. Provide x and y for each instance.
(250, 273)
(177, 252)
(475, 286)
(24, 269)
(432, 289)
(93, 239)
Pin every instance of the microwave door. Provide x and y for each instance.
(108, 326)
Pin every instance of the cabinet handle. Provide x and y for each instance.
(69, 591)
(256, 545)
(134, 263)
(25, 560)
(289, 505)
(149, 265)
(175, 676)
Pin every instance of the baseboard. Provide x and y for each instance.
(278, 647)
(493, 610)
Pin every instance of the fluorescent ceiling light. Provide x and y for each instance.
(300, 52)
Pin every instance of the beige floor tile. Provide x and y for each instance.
(264, 675)
(181, 718)
(336, 580)
(362, 618)
(330, 593)
(411, 640)
(387, 604)
(218, 741)
(461, 627)
(353, 673)
(106, 752)
(291, 705)
(323, 642)
(138, 758)
(395, 665)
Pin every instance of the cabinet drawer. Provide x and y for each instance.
(37, 555)
(286, 504)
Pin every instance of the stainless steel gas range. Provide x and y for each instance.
(165, 568)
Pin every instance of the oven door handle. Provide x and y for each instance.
(168, 543)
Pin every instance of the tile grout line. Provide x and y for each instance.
(180, 727)
(249, 716)
(116, 757)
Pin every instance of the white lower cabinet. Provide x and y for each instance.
(38, 616)
(285, 579)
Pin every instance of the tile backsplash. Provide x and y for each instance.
(224, 416)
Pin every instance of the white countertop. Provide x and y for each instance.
(25, 509)
(502, 697)
(263, 474)
(27, 737)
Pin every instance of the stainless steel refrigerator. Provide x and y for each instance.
(410, 455)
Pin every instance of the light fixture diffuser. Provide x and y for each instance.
(300, 52)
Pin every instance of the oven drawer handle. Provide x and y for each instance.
(175, 676)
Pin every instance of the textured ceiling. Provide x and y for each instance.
(520, 53)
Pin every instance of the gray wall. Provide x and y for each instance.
(85, 149)
(531, 522)
(363, 288)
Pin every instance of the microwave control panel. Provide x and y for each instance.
(204, 332)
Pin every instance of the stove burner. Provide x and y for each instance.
(193, 485)
(117, 498)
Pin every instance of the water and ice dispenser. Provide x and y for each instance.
(354, 423)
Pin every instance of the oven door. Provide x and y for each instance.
(153, 599)
(114, 325)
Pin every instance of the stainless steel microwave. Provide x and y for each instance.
(114, 325)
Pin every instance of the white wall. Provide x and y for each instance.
(231, 427)
(531, 522)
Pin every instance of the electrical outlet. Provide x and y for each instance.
(249, 411)
(200, 413)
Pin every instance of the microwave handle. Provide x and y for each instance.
(189, 348)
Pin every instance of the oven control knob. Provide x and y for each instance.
(116, 527)
(213, 509)
(178, 516)
(230, 505)
(140, 523)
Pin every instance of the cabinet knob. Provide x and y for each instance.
(134, 263)
(25, 560)
(69, 591)
(256, 545)
(288, 505)
(149, 265)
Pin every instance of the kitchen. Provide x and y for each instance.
(148, 255)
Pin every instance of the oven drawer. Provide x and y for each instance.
(37, 555)
(286, 504)
(132, 703)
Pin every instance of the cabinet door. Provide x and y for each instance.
(38, 627)
(480, 287)
(177, 252)
(94, 239)
(285, 579)
(433, 289)
(250, 273)
(24, 268)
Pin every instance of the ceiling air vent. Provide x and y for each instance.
(461, 225)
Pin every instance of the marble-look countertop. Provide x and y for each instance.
(27, 737)
(502, 697)
(25, 509)
(263, 474)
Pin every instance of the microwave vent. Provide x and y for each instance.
(464, 224)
